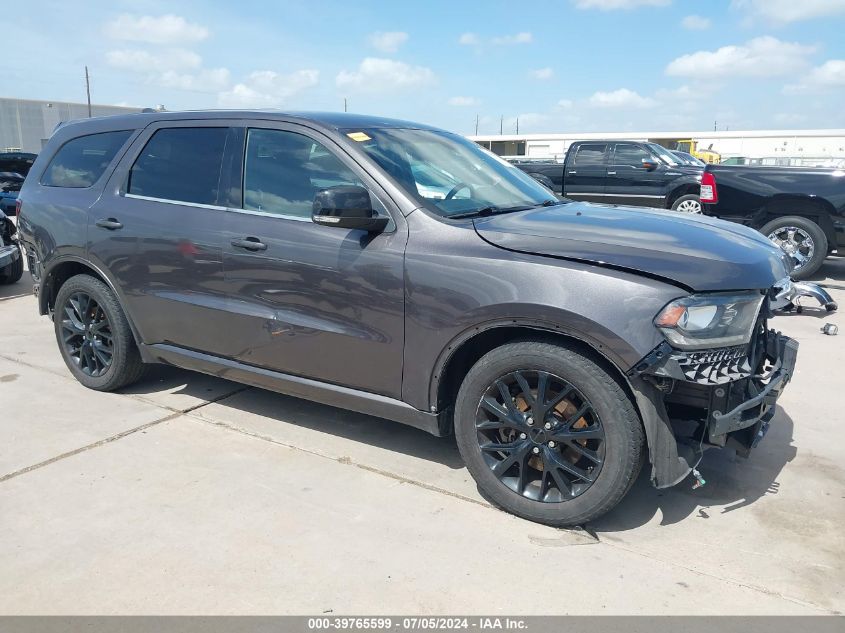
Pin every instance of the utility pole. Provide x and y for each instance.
(517, 125)
(344, 104)
(501, 124)
(476, 125)
(88, 90)
(714, 125)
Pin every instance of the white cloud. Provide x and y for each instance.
(761, 57)
(786, 11)
(523, 37)
(375, 74)
(831, 74)
(695, 23)
(542, 73)
(469, 39)
(267, 88)
(164, 29)
(389, 41)
(208, 80)
(622, 98)
(463, 101)
(143, 61)
(612, 5)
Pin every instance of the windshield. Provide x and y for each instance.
(449, 174)
(689, 159)
(664, 154)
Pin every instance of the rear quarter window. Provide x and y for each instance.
(81, 161)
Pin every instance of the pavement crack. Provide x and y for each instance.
(88, 447)
(174, 413)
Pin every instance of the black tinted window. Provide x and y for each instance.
(283, 172)
(630, 154)
(81, 161)
(590, 155)
(180, 164)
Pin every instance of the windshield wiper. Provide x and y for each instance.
(488, 211)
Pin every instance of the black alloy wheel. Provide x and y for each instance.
(540, 436)
(87, 334)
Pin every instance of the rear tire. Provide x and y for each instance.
(94, 336)
(689, 203)
(13, 272)
(807, 240)
(559, 485)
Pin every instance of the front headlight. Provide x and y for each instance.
(705, 321)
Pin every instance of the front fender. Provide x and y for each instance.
(607, 344)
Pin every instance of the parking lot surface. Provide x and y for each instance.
(190, 494)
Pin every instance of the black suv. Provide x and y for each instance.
(402, 271)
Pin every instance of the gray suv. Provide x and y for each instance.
(402, 271)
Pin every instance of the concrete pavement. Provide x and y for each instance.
(188, 494)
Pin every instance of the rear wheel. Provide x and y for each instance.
(690, 203)
(800, 238)
(547, 434)
(13, 272)
(94, 336)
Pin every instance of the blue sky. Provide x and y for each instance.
(558, 66)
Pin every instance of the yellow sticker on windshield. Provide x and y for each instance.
(358, 136)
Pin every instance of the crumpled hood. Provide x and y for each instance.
(699, 252)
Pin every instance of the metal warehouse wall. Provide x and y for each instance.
(25, 124)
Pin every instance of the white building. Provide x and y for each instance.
(26, 124)
(808, 145)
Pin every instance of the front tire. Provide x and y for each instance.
(562, 458)
(690, 203)
(94, 336)
(13, 272)
(800, 238)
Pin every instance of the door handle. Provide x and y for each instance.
(573, 172)
(109, 223)
(250, 244)
(611, 173)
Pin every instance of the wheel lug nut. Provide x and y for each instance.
(535, 450)
(548, 425)
(529, 421)
(522, 436)
(551, 444)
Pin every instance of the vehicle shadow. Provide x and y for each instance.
(22, 288)
(272, 406)
(733, 482)
(832, 270)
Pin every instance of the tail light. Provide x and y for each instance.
(709, 192)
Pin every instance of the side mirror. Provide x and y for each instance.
(650, 164)
(347, 207)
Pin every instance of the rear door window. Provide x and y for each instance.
(590, 155)
(180, 164)
(81, 161)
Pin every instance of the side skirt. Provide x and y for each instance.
(306, 388)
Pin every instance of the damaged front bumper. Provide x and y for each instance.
(722, 398)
